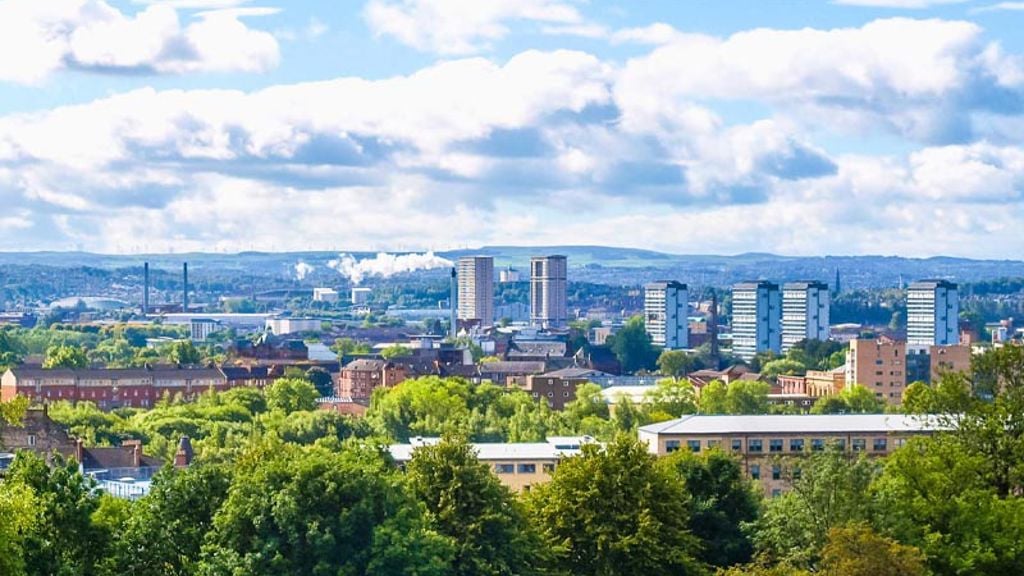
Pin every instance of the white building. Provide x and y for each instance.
(360, 296)
(201, 328)
(329, 295)
(666, 312)
(756, 319)
(476, 290)
(805, 313)
(288, 325)
(548, 285)
(933, 314)
(509, 275)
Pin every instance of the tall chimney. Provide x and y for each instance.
(184, 298)
(713, 329)
(453, 302)
(145, 289)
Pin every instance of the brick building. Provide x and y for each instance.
(359, 378)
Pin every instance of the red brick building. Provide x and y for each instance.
(359, 378)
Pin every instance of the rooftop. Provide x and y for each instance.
(554, 448)
(764, 424)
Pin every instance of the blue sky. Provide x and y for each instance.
(850, 127)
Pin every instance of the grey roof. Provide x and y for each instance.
(513, 367)
(555, 448)
(755, 284)
(931, 284)
(573, 373)
(365, 364)
(662, 284)
(804, 284)
(810, 423)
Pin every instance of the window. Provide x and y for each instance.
(796, 445)
(755, 445)
(776, 472)
(737, 445)
(551, 394)
(776, 492)
(565, 394)
(671, 445)
(31, 439)
(796, 473)
(775, 445)
(714, 443)
(859, 444)
(527, 468)
(817, 444)
(548, 468)
(901, 442)
(693, 445)
(755, 471)
(879, 445)
(841, 443)
(504, 468)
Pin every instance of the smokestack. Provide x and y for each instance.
(714, 329)
(453, 301)
(184, 298)
(145, 289)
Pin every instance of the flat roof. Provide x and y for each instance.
(810, 423)
(555, 448)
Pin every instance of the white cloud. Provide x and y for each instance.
(907, 4)
(463, 26)
(93, 35)
(655, 34)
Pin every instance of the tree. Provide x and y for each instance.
(616, 510)
(724, 501)
(321, 380)
(829, 492)
(830, 405)
(632, 346)
(676, 363)
(712, 398)
(673, 397)
(782, 366)
(395, 351)
(323, 509)
(747, 397)
(165, 531)
(347, 346)
(18, 508)
(428, 406)
(291, 395)
(65, 357)
(589, 402)
(860, 400)
(13, 411)
(183, 353)
(856, 550)
(466, 502)
(12, 350)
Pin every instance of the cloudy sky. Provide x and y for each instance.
(794, 127)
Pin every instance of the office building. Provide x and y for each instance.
(509, 274)
(933, 314)
(360, 296)
(805, 313)
(548, 285)
(328, 295)
(756, 319)
(880, 366)
(476, 290)
(666, 314)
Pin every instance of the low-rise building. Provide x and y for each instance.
(558, 388)
(880, 365)
(953, 358)
(519, 466)
(359, 378)
(762, 443)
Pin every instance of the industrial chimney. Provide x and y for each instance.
(453, 302)
(184, 298)
(145, 289)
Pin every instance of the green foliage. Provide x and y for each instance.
(747, 397)
(676, 363)
(316, 510)
(856, 550)
(347, 346)
(183, 353)
(65, 357)
(616, 510)
(291, 395)
(465, 502)
(12, 350)
(13, 411)
(713, 398)
(632, 346)
(395, 351)
(673, 397)
(817, 354)
(18, 519)
(783, 366)
(854, 399)
(321, 380)
(724, 501)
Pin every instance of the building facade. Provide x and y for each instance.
(666, 311)
(805, 313)
(359, 378)
(548, 291)
(756, 319)
(558, 388)
(878, 365)
(476, 290)
(769, 446)
(933, 314)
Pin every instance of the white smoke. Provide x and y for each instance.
(385, 265)
(302, 270)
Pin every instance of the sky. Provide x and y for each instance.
(892, 127)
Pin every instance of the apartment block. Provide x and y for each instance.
(666, 311)
(805, 313)
(548, 291)
(476, 290)
(756, 319)
(933, 314)
(880, 366)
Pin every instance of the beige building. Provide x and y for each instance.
(767, 445)
(825, 382)
(878, 365)
(548, 291)
(518, 466)
(476, 290)
(953, 358)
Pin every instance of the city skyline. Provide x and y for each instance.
(151, 126)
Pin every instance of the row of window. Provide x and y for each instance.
(778, 445)
(523, 468)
